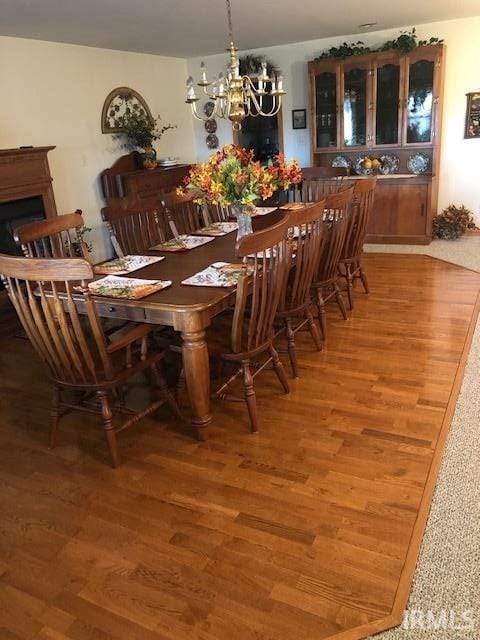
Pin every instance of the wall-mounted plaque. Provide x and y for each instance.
(472, 121)
(120, 101)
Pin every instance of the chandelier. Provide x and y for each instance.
(235, 97)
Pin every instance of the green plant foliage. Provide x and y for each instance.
(406, 42)
(345, 50)
(452, 222)
(252, 65)
(140, 130)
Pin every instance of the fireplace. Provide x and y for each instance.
(26, 193)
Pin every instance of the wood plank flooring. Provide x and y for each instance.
(309, 529)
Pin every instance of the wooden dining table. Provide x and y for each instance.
(188, 309)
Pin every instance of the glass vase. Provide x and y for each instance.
(243, 215)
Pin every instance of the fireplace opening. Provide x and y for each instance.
(14, 214)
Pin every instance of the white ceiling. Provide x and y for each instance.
(189, 28)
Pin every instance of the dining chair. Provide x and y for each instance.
(350, 263)
(136, 226)
(216, 213)
(75, 349)
(183, 212)
(326, 281)
(266, 258)
(318, 182)
(306, 233)
(58, 237)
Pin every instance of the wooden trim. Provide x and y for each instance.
(374, 239)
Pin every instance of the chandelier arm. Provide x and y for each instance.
(274, 110)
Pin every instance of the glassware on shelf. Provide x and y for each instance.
(355, 107)
(387, 96)
(420, 102)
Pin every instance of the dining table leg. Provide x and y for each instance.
(197, 375)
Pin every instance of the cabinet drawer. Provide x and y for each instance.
(115, 310)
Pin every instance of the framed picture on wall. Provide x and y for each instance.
(299, 118)
(472, 120)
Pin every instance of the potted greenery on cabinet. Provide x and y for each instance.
(141, 132)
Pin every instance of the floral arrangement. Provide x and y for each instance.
(231, 177)
(452, 222)
(140, 130)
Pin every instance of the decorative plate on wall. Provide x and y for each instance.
(212, 141)
(118, 102)
(418, 163)
(208, 108)
(389, 164)
(342, 161)
(210, 125)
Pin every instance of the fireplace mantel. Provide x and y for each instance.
(24, 173)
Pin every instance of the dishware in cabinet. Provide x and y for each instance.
(325, 92)
(421, 104)
(356, 104)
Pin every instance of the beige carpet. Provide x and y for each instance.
(465, 251)
(445, 599)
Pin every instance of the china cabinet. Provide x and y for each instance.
(383, 103)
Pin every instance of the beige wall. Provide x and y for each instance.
(52, 94)
(459, 165)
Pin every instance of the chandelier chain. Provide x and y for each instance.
(229, 18)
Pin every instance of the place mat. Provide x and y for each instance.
(182, 243)
(128, 288)
(262, 211)
(294, 205)
(217, 229)
(127, 264)
(218, 274)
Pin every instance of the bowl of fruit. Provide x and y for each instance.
(370, 165)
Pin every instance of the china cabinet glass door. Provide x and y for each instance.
(355, 90)
(326, 109)
(387, 112)
(420, 101)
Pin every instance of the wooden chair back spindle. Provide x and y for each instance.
(57, 237)
(269, 266)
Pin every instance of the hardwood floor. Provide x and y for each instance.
(309, 529)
